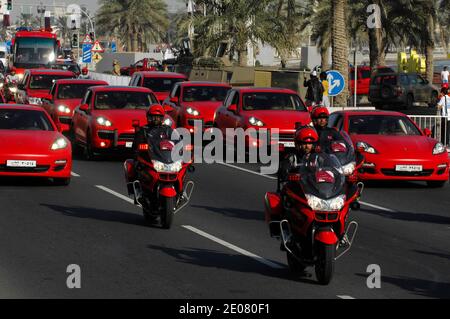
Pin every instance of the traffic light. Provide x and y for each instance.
(9, 5)
(75, 41)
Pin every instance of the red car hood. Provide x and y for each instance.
(38, 93)
(283, 120)
(27, 142)
(206, 109)
(399, 146)
(70, 103)
(123, 119)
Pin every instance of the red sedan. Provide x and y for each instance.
(270, 108)
(394, 147)
(104, 120)
(161, 83)
(191, 101)
(64, 97)
(30, 144)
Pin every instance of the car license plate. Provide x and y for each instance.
(409, 168)
(129, 144)
(14, 163)
(288, 144)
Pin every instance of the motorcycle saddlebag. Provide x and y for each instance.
(273, 207)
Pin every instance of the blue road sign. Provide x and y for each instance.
(336, 82)
(87, 53)
(113, 47)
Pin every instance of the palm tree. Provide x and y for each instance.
(444, 24)
(134, 21)
(340, 45)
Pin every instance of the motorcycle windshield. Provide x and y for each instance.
(322, 176)
(342, 148)
(161, 144)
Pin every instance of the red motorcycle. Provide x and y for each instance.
(158, 183)
(310, 216)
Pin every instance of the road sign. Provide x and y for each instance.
(113, 47)
(96, 57)
(336, 82)
(87, 39)
(87, 53)
(97, 47)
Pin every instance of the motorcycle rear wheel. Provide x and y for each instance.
(325, 264)
(167, 214)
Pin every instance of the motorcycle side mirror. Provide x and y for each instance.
(427, 132)
(84, 107)
(174, 100)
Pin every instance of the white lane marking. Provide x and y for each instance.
(378, 207)
(248, 171)
(74, 174)
(233, 247)
(346, 297)
(110, 191)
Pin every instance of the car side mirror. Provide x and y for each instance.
(174, 100)
(427, 132)
(168, 108)
(232, 108)
(84, 107)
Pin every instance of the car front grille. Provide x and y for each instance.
(126, 137)
(38, 169)
(393, 172)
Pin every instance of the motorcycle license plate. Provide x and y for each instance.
(129, 144)
(409, 168)
(14, 163)
(288, 144)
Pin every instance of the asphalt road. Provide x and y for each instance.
(219, 247)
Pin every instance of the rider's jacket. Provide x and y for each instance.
(291, 163)
(144, 133)
(327, 135)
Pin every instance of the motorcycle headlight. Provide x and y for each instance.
(322, 205)
(193, 111)
(35, 100)
(167, 168)
(13, 89)
(168, 122)
(366, 147)
(59, 144)
(1, 85)
(349, 168)
(255, 122)
(104, 122)
(439, 148)
(63, 109)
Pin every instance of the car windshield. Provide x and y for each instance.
(72, 91)
(34, 51)
(160, 84)
(45, 81)
(382, 125)
(124, 100)
(263, 101)
(67, 67)
(205, 93)
(24, 120)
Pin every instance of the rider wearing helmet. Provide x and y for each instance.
(84, 74)
(320, 116)
(306, 139)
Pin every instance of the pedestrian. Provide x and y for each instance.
(315, 90)
(444, 75)
(326, 88)
(116, 68)
(444, 107)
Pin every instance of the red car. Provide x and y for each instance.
(271, 108)
(161, 83)
(30, 144)
(141, 65)
(64, 97)
(104, 120)
(394, 147)
(190, 101)
(36, 85)
(364, 75)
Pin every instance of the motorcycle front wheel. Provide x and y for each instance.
(167, 213)
(325, 263)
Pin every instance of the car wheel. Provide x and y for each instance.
(436, 184)
(409, 101)
(61, 181)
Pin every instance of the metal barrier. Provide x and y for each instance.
(439, 126)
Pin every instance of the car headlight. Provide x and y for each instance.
(349, 168)
(255, 122)
(20, 76)
(13, 89)
(193, 111)
(35, 100)
(63, 109)
(366, 147)
(439, 148)
(59, 144)
(167, 168)
(322, 205)
(104, 122)
(168, 122)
